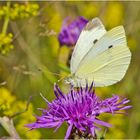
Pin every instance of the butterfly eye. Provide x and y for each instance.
(95, 41)
(110, 46)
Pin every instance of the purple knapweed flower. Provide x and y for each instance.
(71, 30)
(80, 108)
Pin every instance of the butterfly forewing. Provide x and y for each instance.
(90, 35)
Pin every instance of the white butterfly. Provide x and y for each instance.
(99, 56)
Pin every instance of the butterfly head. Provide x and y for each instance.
(70, 80)
(75, 81)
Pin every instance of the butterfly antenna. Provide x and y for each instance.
(53, 73)
(62, 77)
(56, 74)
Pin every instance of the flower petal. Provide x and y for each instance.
(68, 131)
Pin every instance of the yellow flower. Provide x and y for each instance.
(6, 99)
(114, 14)
(9, 106)
(6, 42)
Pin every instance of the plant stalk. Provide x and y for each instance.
(6, 19)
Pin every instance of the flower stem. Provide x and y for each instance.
(8, 125)
(6, 19)
(78, 134)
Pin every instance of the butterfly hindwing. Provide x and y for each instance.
(106, 63)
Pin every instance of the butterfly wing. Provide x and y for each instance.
(106, 63)
(92, 32)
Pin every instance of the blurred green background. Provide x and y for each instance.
(30, 53)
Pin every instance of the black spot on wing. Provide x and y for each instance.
(110, 46)
(95, 41)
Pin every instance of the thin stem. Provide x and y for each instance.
(8, 125)
(23, 111)
(6, 19)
